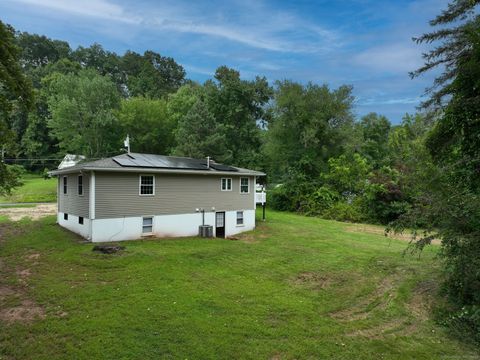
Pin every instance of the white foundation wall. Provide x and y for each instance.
(231, 227)
(73, 225)
(130, 228)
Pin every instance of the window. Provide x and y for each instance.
(226, 184)
(147, 185)
(65, 216)
(244, 185)
(80, 185)
(65, 185)
(80, 220)
(239, 217)
(147, 226)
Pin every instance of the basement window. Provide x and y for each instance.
(226, 184)
(147, 225)
(80, 220)
(80, 185)
(244, 185)
(147, 185)
(65, 180)
(65, 216)
(239, 218)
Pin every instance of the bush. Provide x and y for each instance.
(316, 203)
(279, 198)
(343, 211)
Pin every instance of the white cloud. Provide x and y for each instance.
(393, 101)
(255, 26)
(393, 58)
(91, 8)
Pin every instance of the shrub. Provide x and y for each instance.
(343, 211)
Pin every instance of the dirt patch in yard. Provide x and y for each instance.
(420, 303)
(380, 298)
(35, 213)
(379, 230)
(395, 327)
(27, 311)
(8, 230)
(6, 291)
(313, 280)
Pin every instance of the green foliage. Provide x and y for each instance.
(344, 211)
(147, 123)
(9, 178)
(151, 75)
(16, 98)
(451, 206)
(375, 130)
(307, 127)
(82, 113)
(347, 174)
(238, 105)
(199, 135)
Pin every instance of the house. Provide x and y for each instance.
(133, 195)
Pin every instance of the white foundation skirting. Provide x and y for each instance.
(130, 228)
(73, 225)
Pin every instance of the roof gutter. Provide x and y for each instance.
(156, 170)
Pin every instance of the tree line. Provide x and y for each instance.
(321, 160)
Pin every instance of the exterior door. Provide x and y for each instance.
(220, 224)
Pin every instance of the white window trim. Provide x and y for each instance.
(243, 218)
(153, 223)
(221, 184)
(240, 185)
(63, 185)
(140, 185)
(83, 191)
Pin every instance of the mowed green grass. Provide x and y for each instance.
(34, 189)
(295, 288)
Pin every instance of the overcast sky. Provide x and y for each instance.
(364, 43)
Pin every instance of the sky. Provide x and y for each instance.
(364, 43)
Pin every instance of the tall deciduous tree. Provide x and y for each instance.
(308, 127)
(240, 106)
(82, 113)
(151, 75)
(147, 123)
(374, 130)
(15, 93)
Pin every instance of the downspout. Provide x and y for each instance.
(91, 203)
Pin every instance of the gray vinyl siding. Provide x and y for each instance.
(72, 203)
(117, 195)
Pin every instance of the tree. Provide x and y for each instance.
(452, 211)
(151, 75)
(39, 50)
(374, 131)
(199, 135)
(307, 127)
(240, 106)
(15, 93)
(453, 45)
(83, 113)
(147, 123)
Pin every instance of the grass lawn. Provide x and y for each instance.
(34, 189)
(295, 288)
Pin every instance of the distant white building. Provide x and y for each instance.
(70, 160)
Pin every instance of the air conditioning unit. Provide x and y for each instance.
(205, 231)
